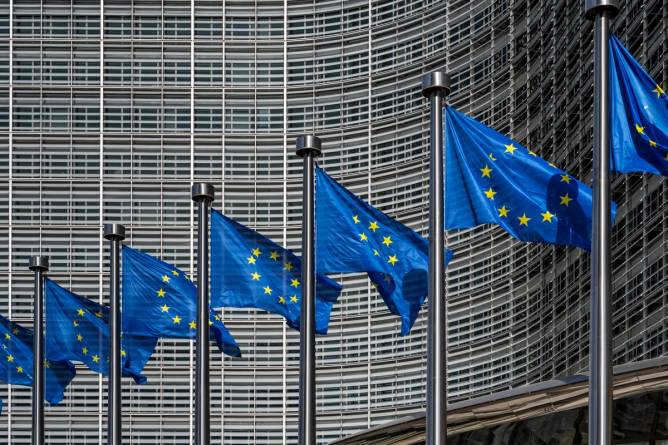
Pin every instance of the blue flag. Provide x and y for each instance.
(491, 179)
(160, 301)
(249, 270)
(639, 116)
(77, 329)
(352, 236)
(17, 362)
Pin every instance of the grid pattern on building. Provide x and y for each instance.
(108, 111)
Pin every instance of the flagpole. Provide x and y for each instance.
(203, 194)
(308, 147)
(115, 233)
(436, 87)
(39, 265)
(600, 340)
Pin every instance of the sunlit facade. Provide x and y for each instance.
(110, 109)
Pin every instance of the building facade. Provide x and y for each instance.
(109, 109)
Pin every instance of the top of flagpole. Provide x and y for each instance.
(38, 262)
(435, 81)
(594, 7)
(114, 231)
(308, 142)
(203, 191)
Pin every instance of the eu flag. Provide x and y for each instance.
(160, 301)
(77, 329)
(491, 179)
(639, 116)
(17, 362)
(249, 270)
(352, 236)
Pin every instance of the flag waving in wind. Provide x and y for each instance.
(352, 236)
(250, 270)
(639, 116)
(491, 179)
(160, 301)
(16, 362)
(77, 329)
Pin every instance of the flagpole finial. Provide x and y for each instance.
(114, 231)
(203, 191)
(435, 81)
(38, 262)
(308, 143)
(594, 7)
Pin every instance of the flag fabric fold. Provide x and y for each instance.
(17, 362)
(352, 236)
(248, 270)
(77, 329)
(639, 116)
(491, 179)
(160, 301)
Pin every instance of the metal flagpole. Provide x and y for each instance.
(115, 233)
(600, 340)
(39, 265)
(436, 87)
(308, 147)
(203, 194)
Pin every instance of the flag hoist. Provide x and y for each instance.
(39, 265)
(436, 87)
(308, 147)
(203, 194)
(600, 343)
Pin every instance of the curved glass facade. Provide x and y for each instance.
(109, 110)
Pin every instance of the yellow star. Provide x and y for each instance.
(165, 279)
(75, 323)
(210, 324)
(192, 325)
(387, 240)
(547, 216)
(490, 194)
(176, 319)
(524, 220)
(96, 358)
(256, 252)
(503, 212)
(491, 156)
(392, 260)
(295, 282)
(164, 308)
(659, 91)
(666, 158)
(566, 179)
(281, 300)
(8, 337)
(81, 312)
(363, 236)
(565, 199)
(268, 290)
(274, 255)
(251, 259)
(123, 353)
(19, 369)
(47, 364)
(79, 337)
(486, 171)
(15, 331)
(375, 253)
(288, 266)
(256, 276)
(98, 314)
(10, 358)
(356, 219)
(84, 350)
(374, 226)
(510, 149)
(217, 317)
(639, 129)
(160, 293)
(294, 299)
(175, 273)
(652, 143)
